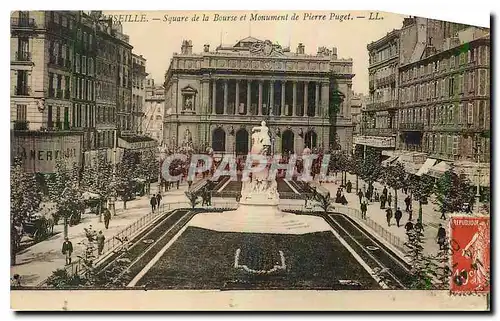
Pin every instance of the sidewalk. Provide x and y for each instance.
(37, 262)
(430, 218)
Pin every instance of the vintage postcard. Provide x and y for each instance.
(249, 160)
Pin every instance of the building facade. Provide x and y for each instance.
(218, 96)
(154, 109)
(66, 71)
(379, 118)
(358, 103)
(139, 75)
(441, 117)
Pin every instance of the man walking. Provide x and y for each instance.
(382, 201)
(389, 199)
(360, 195)
(408, 203)
(388, 216)
(100, 243)
(67, 249)
(348, 186)
(107, 218)
(158, 200)
(398, 215)
(443, 216)
(153, 203)
(441, 237)
(384, 191)
(364, 208)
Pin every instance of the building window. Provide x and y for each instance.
(451, 119)
(77, 63)
(21, 112)
(480, 115)
(461, 84)
(472, 82)
(451, 86)
(84, 65)
(22, 83)
(449, 145)
(455, 144)
(443, 86)
(452, 62)
(482, 82)
(49, 117)
(470, 113)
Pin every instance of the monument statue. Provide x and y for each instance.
(261, 140)
(188, 105)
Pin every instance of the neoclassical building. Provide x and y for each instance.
(216, 97)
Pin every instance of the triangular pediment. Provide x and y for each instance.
(189, 89)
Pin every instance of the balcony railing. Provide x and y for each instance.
(21, 125)
(22, 91)
(22, 22)
(386, 80)
(378, 131)
(23, 56)
(411, 126)
(389, 104)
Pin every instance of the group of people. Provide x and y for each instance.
(155, 201)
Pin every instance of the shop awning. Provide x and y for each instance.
(437, 170)
(389, 161)
(424, 169)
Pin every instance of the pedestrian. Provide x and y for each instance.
(107, 218)
(190, 182)
(153, 203)
(349, 186)
(409, 226)
(398, 215)
(16, 280)
(408, 203)
(100, 243)
(443, 216)
(178, 181)
(388, 216)
(343, 200)
(364, 208)
(384, 191)
(441, 236)
(67, 249)
(360, 195)
(389, 199)
(111, 205)
(382, 201)
(158, 200)
(410, 214)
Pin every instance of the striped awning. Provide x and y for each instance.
(424, 169)
(389, 161)
(437, 170)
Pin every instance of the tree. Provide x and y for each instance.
(423, 269)
(65, 191)
(96, 179)
(25, 199)
(444, 272)
(370, 169)
(395, 177)
(148, 168)
(421, 188)
(125, 174)
(452, 191)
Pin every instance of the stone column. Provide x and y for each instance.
(225, 96)
(306, 88)
(206, 96)
(249, 97)
(283, 85)
(271, 98)
(260, 98)
(316, 102)
(237, 100)
(325, 100)
(214, 95)
(294, 102)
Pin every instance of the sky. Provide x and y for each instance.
(157, 40)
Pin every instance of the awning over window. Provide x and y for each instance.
(437, 170)
(389, 161)
(424, 169)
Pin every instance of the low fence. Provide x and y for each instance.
(354, 213)
(111, 244)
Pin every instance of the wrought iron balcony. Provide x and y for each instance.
(22, 22)
(411, 126)
(378, 131)
(22, 91)
(384, 105)
(23, 56)
(21, 125)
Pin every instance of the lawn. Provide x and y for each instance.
(205, 259)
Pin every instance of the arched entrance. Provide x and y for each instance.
(241, 147)
(287, 138)
(311, 139)
(219, 140)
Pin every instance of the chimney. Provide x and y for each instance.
(187, 47)
(300, 49)
(206, 48)
(334, 53)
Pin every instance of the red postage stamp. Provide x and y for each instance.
(470, 255)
